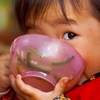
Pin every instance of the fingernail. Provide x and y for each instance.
(18, 76)
(65, 80)
(11, 76)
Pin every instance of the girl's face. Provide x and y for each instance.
(83, 33)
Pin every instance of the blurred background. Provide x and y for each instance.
(9, 29)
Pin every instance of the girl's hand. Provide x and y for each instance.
(27, 92)
(4, 72)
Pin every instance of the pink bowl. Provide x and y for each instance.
(43, 60)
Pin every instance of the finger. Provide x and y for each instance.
(28, 90)
(19, 97)
(4, 66)
(24, 97)
(18, 84)
(6, 82)
(25, 88)
(5, 56)
(4, 63)
(13, 83)
(7, 64)
(61, 86)
(19, 93)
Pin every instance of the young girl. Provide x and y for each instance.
(77, 22)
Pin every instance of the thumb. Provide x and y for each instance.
(61, 86)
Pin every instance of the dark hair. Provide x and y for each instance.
(39, 7)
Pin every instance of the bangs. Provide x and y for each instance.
(25, 8)
(38, 8)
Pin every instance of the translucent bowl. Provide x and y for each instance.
(43, 60)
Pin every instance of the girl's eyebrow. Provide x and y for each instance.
(65, 21)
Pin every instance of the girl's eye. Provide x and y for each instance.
(69, 35)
